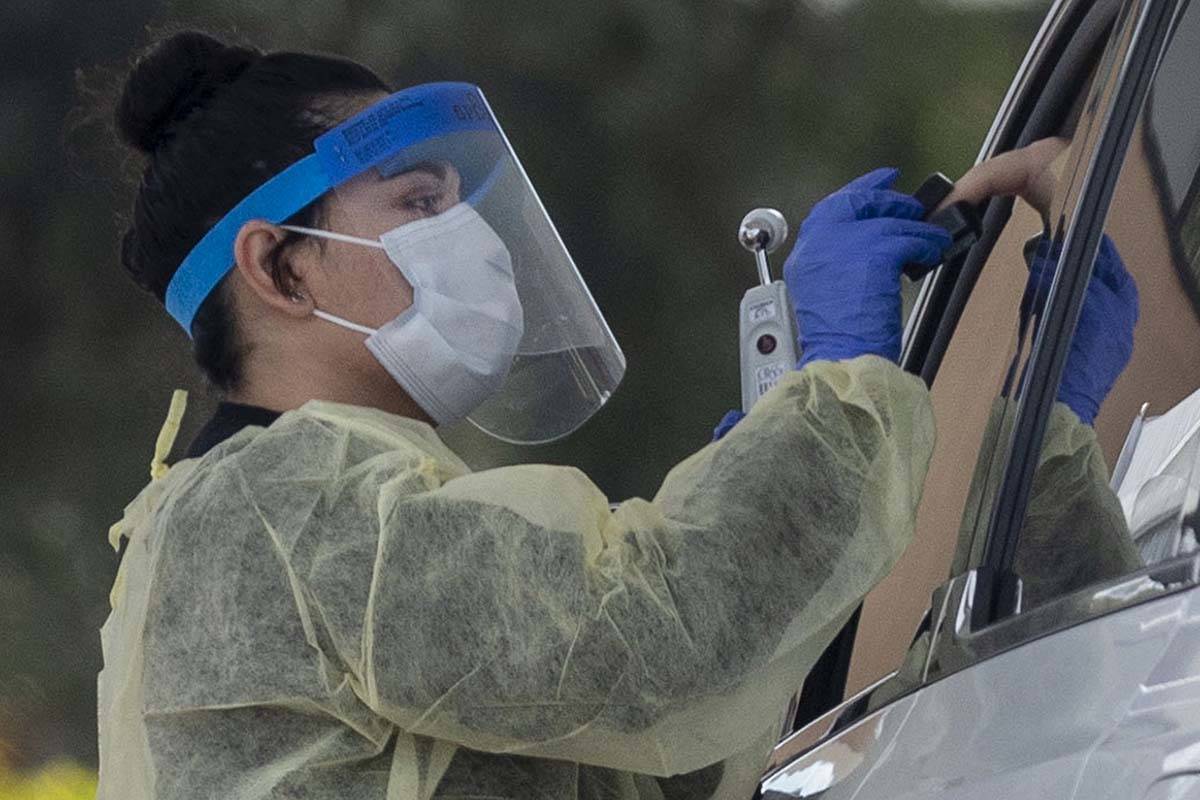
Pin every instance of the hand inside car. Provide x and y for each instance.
(1030, 173)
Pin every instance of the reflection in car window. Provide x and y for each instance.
(1137, 344)
(1014, 311)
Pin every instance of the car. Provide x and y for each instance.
(1088, 686)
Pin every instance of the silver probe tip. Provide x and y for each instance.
(763, 230)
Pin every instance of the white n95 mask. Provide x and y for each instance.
(453, 348)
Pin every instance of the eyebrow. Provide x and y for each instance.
(433, 168)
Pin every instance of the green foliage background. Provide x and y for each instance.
(649, 127)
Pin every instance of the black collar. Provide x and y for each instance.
(228, 419)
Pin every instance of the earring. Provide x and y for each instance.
(296, 297)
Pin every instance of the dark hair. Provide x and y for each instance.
(215, 121)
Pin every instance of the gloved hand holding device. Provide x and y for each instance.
(1103, 340)
(843, 274)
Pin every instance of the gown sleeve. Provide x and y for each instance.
(513, 611)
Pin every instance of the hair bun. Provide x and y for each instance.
(171, 80)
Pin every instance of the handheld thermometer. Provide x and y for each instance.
(766, 323)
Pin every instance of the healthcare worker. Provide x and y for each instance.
(322, 601)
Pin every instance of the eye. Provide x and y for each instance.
(421, 204)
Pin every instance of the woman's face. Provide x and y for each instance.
(360, 283)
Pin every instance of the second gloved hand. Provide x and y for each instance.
(1103, 340)
(843, 275)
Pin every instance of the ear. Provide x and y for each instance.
(256, 251)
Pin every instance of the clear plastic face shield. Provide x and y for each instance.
(502, 329)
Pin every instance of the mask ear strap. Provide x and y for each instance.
(343, 323)
(337, 237)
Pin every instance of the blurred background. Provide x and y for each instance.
(649, 127)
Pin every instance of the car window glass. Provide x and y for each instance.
(1137, 344)
(974, 398)
(973, 412)
(969, 420)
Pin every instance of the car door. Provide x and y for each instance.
(1058, 657)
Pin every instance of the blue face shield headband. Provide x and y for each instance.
(375, 138)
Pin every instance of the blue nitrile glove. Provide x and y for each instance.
(1103, 340)
(726, 424)
(844, 273)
